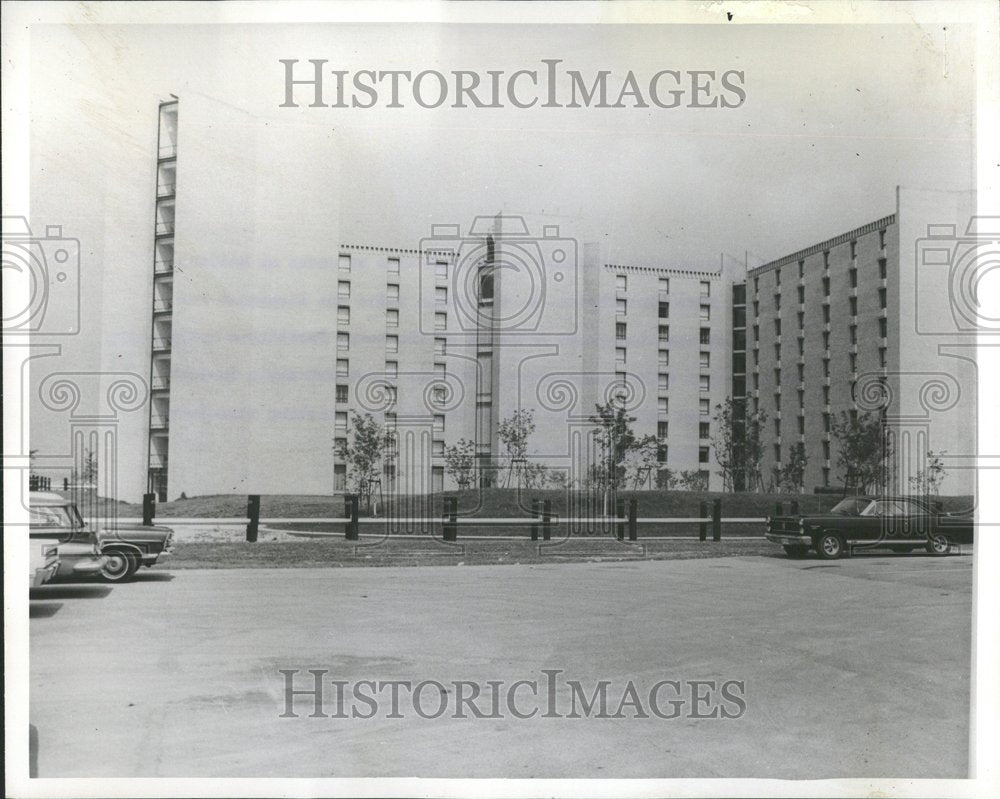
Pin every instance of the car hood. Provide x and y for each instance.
(136, 531)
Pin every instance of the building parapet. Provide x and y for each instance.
(843, 238)
(663, 270)
(399, 250)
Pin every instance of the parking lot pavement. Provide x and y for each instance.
(857, 667)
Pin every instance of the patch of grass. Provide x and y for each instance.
(423, 551)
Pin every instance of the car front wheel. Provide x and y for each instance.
(831, 546)
(119, 567)
(939, 545)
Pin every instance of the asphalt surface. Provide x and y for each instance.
(853, 668)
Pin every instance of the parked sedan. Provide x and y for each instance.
(55, 523)
(900, 523)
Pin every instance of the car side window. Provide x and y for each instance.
(886, 507)
(46, 517)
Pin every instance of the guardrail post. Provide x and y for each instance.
(148, 509)
(703, 526)
(620, 513)
(351, 512)
(253, 512)
(535, 513)
(450, 521)
(547, 520)
(716, 519)
(633, 526)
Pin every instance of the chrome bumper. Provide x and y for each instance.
(788, 539)
(77, 566)
(43, 575)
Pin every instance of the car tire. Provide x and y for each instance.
(796, 550)
(831, 546)
(120, 566)
(939, 545)
(903, 549)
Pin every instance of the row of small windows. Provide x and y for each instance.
(882, 296)
(663, 310)
(882, 326)
(392, 263)
(663, 285)
(882, 264)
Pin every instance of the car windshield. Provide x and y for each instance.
(851, 506)
(55, 516)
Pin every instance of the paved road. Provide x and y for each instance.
(857, 667)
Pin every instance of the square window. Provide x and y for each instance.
(704, 407)
(344, 289)
(705, 334)
(342, 367)
(705, 313)
(852, 276)
(440, 370)
(340, 477)
(777, 327)
(826, 287)
(620, 330)
(441, 296)
(664, 334)
(440, 321)
(621, 378)
(854, 305)
(620, 354)
(437, 448)
(390, 420)
(706, 288)
(339, 445)
(853, 333)
(663, 310)
(392, 291)
(883, 268)
(802, 321)
(882, 298)
(881, 239)
(392, 318)
(392, 343)
(802, 269)
(882, 360)
(342, 392)
(854, 250)
(704, 429)
(662, 428)
(777, 277)
(343, 315)
(704, 360)
(662, 405)
(802, 295)
(663, 357)
(439, 422)
(826, 314)
(621, 283)
(340, 420)
(343, 341)
(441, 270)
(663, 382)
(702, 454)
(664, 285)
(621, 307)
(392, 368)
(393, 266)
(344, 263)
(777, 302)
(440, 345)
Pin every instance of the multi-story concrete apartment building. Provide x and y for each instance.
(865, 322)
(267, 333)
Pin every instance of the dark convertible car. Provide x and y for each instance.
(900, 523)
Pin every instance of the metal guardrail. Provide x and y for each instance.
(543, 519)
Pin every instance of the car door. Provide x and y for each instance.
(867, 526)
